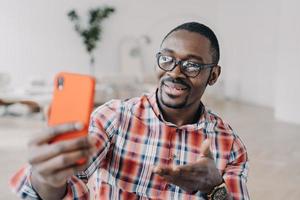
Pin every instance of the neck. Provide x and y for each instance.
(181, 116)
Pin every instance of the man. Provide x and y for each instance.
(164, 145)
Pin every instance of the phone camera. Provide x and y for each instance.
(60, 83)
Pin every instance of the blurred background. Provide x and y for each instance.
(258, 92)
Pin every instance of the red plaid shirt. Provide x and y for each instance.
(134, 138)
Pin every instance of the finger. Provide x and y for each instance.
(188, 184)
(60, 178)
(52, 132)
(67, 160)
(156, 169)
(205, 149)
(62, 175)
(177, 173)
(45, 152)
(169, 170)
(193, 169)
(169, 178)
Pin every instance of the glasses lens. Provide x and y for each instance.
(190, 68)
(165, 62)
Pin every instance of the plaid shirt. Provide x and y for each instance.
(134, 138)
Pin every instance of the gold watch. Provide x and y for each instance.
(218, 193)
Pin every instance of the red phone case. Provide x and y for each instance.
(73, 101)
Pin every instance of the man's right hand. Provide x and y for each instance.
(53, 163)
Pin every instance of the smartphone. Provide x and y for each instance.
(73, 101)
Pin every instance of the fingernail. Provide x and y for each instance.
(176, 169)
(93, 141)
(156, 170)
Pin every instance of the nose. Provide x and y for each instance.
(176, 72)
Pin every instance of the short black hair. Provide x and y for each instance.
(204, 31)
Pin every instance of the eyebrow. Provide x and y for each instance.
(189, 56)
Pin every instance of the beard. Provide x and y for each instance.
(171, 104)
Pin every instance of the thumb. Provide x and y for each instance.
(205, 149)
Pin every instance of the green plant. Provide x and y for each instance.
(92, 33)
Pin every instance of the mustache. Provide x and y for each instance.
(175, 80)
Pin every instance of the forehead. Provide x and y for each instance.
(183, 42)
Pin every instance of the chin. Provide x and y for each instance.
(175, 103)
(174, 106)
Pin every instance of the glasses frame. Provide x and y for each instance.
(179, 62)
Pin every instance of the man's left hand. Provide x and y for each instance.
(202, 175)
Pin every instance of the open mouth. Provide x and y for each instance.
(176, 86)
(174, 89)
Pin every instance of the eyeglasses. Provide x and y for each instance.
(188, 68)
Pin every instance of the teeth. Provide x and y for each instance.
(175, 88)
(180, 88)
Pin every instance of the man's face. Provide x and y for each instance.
(176, 90)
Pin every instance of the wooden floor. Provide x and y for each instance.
(273, 148)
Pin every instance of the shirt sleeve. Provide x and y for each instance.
(103, 125)
(236, 172)
(20, 184)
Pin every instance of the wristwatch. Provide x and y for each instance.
(218, 193)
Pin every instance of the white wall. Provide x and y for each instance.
(248, 30)
(37, 40)
(287, 104)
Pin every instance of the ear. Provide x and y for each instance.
(214, 75)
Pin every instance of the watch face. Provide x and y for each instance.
(220, 194)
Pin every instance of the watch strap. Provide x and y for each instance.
(214, 192)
